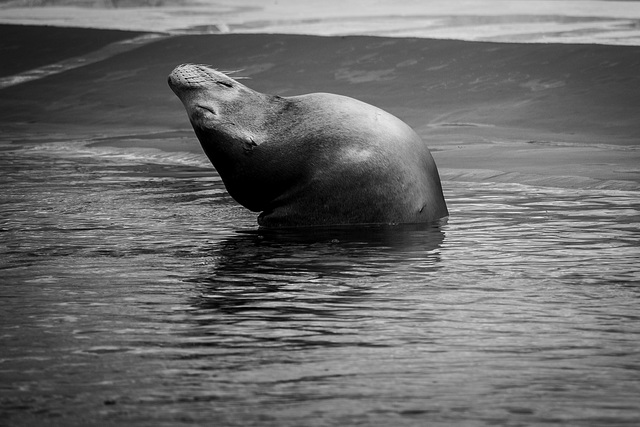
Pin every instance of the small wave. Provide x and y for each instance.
(132, 155)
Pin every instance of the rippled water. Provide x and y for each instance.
(135, 291)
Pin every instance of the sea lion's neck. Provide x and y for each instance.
(234, 148)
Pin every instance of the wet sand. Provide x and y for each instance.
(557, 115)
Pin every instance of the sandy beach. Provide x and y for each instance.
(554, 114)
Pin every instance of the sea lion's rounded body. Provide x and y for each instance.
(310, 160)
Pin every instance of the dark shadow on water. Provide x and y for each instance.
(329, 265)
(393, 237)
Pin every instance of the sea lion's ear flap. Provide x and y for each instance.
(247, 140)
(249, 144)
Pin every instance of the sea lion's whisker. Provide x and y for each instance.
(231, 72)
(228, 73)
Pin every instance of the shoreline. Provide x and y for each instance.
(556, 21)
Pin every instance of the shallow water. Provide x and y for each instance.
(135, 291)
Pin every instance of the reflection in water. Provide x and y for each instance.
(139, 293)
(317, 276)
(268, 260)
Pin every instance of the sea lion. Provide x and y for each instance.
(310, 160)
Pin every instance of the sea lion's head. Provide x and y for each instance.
(230, 121)
(220, 108)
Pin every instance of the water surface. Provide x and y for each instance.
(135, 291)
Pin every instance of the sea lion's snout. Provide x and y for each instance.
(191, 76)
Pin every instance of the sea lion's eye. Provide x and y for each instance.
(225, 84)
